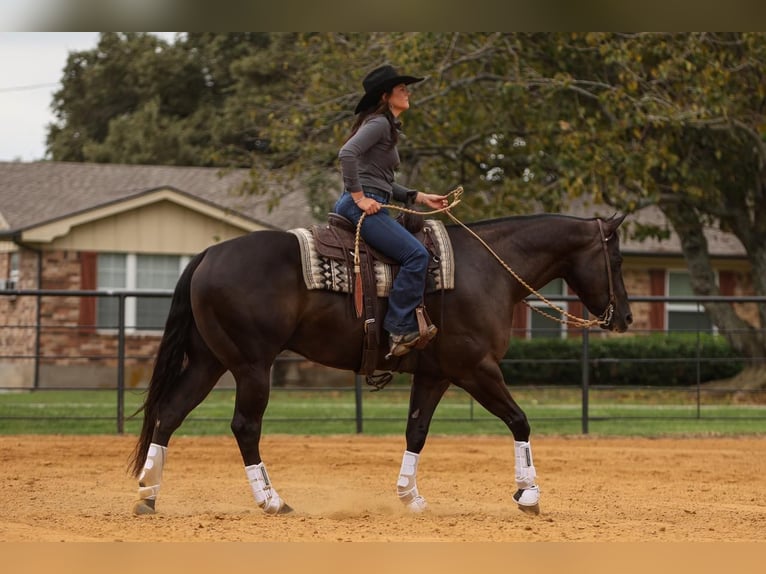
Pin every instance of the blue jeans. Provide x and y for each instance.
(387, 235)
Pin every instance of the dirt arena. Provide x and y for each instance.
(70, 488)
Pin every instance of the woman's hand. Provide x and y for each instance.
(368, 205)
(432, 200)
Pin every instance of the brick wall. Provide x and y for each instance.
(18, 317)
(90, 355)
(638, 282)
(75, 354)
(71, 353)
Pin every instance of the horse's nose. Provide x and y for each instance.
(629, 318)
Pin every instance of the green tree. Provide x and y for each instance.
(677, 121)
(520, 120)
(136, 98)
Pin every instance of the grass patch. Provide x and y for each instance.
(612, 412)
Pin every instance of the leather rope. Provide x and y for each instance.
(570, 320)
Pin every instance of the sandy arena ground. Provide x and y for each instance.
(70, 488)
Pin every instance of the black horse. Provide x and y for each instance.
(240, 303)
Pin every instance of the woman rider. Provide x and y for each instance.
(368, 161)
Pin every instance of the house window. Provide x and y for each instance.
(135, 272)
(541, 326)
(12, 281)
(685, 316)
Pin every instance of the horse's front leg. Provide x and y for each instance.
(489, 389)
(424, 397)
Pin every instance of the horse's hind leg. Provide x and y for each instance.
(424, 397)
(197, 380)
(489, 389)
(252, 397)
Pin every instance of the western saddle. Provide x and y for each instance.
(336, 240)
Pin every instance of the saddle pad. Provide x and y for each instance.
(334, 275)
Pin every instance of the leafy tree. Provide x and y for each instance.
(135, 98)
(673, 120)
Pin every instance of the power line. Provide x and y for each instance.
(29, 87)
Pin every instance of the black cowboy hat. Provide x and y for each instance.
(379, 81)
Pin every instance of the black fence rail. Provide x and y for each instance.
(23, 338)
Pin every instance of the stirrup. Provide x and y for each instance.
(403, 344)
(379, 380)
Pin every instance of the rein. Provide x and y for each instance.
(571, 320)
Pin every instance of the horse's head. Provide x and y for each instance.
(596, 276)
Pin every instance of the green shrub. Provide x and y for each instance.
(652, 360)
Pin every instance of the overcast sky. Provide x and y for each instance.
(31, 65)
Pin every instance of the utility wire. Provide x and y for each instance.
(29, 87)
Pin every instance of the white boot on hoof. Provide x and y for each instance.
(264, 493)
(275, 505)
(528, 494)
(150, 479)
(406, 485)
(528, 499)
(417, 505)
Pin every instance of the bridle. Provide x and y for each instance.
(603, 320)
(606, 317)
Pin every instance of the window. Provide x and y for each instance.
(685, 316)
(12, 281)
(541, 326)
(136, 272)
(111, 274)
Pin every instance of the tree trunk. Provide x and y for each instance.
(743, 337)
(749, 386)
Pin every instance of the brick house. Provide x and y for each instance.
(75, 226)
(657, 268)
(96, 226)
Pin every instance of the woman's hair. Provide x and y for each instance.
(381, 109)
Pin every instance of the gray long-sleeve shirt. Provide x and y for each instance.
(369, 160)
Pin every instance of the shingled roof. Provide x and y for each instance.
(720, 244)
(37, 192)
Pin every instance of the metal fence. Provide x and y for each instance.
(355, 385)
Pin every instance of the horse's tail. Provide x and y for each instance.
(169, 363)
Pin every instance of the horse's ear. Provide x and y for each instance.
(614, 222)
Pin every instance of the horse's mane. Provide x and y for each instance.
(530, 217)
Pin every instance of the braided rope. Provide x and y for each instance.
(570, 320)
(457, 193)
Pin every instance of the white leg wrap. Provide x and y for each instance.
(526, 477)
(406, 486)
(525, 468)
(265, 495)
(151, 475)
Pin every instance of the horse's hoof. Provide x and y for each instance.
(535, 509)
(144, 507)
(417, 505)
(275, 505)
(528, 499)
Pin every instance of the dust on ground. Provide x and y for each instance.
(343, 488)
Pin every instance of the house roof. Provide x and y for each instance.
(35, 193)
(720, 244)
